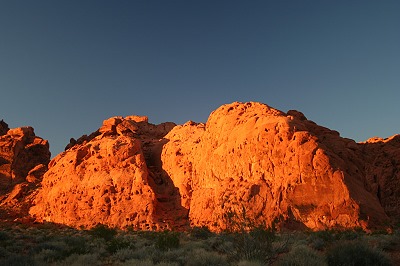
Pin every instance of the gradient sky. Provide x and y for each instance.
(65, 66)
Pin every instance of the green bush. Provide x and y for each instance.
(102, 231)
(17, 260)
(250, 263)
(167, 240)
(200, 232)
(355, 254)
(176, 255)
(203, 257)
(254, 245)
(76, 244)
(302, 255)
(4, 236)
(51, 251)
(81, 259)
(116, 244)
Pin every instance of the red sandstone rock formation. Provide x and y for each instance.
(248, 157)
(108, 178)
(382, 172)
(23, 161)
(273, 165)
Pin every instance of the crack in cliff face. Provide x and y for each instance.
(169, 209)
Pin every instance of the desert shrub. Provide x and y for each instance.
(282, 244)
(386, 242)
(250, 263)
(124, 254)
(317, 243)
(76, 245)
(141, 253)
(46, 256)
(3, 252)
(254, 245)
(102, 231)
(4, 236)
(320, 240)
(16, 246)
(143, 262)
(203, 257)
(81, 259)
(17, 260)
(223, 243)
(302, 255)
(116, 244)
(200, 232)
(238, 221)
(355, 253)
(348, 235)
(167, 240)
(196, 244)
(326, 235)
(148, 235)
(166, 263)
(51, 251)
(177, 255)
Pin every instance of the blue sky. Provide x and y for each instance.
(65, 66)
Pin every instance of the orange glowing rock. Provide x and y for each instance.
(109, 179)
(249, 160)
(275, 166)
(23, 161)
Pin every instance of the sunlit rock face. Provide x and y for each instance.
(273, 166)
(23, 161)
(248, 161)
(111, 177)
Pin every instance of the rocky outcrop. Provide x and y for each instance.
(23, 161)
(382, 172)
(274, 166)
(111, 178)
(249, 162)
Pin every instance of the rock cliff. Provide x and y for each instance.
(248, 162)
(382, 172)
(111, 177)
(275, 167)
(23, 161)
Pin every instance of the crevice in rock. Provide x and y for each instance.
(169, 210)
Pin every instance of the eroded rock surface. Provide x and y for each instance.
(382, 171)
(108, 178)
(248, 160)
(23, 161)
(272, 165)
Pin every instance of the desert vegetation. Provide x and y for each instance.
(49, 244)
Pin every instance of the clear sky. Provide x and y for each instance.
(65, 66)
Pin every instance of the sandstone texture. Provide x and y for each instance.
(382, 172)
(23, 161)
(253, 161)
(111, 177)
(249, 162)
